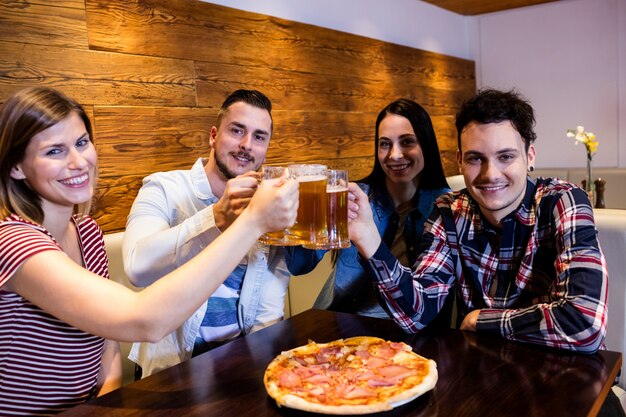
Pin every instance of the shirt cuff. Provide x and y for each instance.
(492, 321)
(381, 260)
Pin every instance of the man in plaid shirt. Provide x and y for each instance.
(519, 257)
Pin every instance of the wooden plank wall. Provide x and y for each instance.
(153, 73)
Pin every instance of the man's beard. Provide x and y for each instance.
(228, 174)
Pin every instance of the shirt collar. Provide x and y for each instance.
(200, 182)
(426, 198)
(525, 213)
(385, 206)
(383, 198)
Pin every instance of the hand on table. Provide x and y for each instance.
(469, 322)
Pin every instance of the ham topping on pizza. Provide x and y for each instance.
(338, 373)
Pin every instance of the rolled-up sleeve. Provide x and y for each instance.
(158, 237)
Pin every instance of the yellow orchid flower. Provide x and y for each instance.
(586, 138)
(591, 146)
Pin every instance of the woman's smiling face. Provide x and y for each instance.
(59, 163)
(399, 152)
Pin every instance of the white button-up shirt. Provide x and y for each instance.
(170, 222)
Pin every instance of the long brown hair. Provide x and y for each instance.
(432, 176)
(24, 115)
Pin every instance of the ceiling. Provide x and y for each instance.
(475, 7)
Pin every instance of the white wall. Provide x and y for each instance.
(621, 70)
(567, 57)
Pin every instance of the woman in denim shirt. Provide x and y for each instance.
(406, 179)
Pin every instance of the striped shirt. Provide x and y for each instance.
(46, 366)
(540, 279)
(220, 322)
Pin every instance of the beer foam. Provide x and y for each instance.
(336, 188)
(310, 178)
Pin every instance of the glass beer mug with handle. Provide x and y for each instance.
(337, 209)
(310, 229)
(281, 237)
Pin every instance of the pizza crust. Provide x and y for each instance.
(428, 383)
(426, 380)
(293, 401)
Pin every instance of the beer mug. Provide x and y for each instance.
(281, 237)
(310, 229)
(337, 209)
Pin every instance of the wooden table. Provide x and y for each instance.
(478, 375)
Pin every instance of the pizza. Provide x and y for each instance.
(358, 375)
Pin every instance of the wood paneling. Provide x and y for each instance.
(113, 200)
(70, 4)
(475, 7)
(341, 91)
(59, 23)
(336, 138)
(154, 73)
(142, 140)
(94, 77)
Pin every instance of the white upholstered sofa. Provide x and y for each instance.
(611, 225)
(113, 242)
(615, 188)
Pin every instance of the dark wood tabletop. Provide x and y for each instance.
(478, 375)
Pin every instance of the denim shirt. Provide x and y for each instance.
(175, 210)
(349, 288)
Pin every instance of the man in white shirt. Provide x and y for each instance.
(178, 213)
